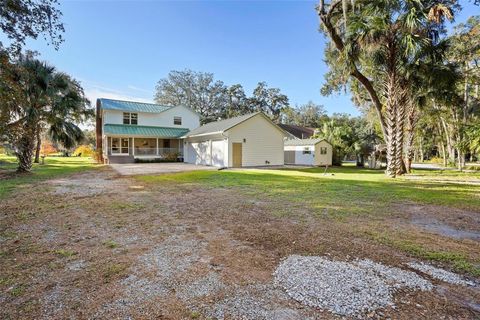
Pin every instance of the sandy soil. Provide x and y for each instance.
(101, 246)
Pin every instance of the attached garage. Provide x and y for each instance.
(246, 141)
(308, 152)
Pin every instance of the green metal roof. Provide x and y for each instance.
(148, 131)
(131, 106)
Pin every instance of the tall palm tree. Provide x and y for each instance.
(49, 100)
(376, 46)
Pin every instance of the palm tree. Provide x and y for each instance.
(376, 48)
(49, 100)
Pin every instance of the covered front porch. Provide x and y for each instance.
(125, 143)
(144, 147)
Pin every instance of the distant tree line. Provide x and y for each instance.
(214, 100)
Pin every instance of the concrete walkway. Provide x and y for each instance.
(130, 169)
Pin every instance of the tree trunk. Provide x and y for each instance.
(409, 150)
(24, 153)
(391, 123)
(39, 146)
(420, 150)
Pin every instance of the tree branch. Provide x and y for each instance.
(325, 18)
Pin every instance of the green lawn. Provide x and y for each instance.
(53, 167)
(344, 190)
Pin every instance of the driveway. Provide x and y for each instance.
(129, 169)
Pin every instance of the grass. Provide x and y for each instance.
(344, 191)
(111, 244)
(459, 261)
(65, 253)
(53, 167)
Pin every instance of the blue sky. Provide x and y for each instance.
(120, 49)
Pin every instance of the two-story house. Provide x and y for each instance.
(127, 130)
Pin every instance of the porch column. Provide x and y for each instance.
(157, 145)
(133, 146)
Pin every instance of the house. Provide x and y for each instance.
(244, 141)
(127, 130)
(298, 131)
(310, 152)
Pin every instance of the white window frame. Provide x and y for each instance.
(175, 118)
(120, 153)
(323, 149)
(130, 116)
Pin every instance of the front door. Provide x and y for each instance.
(237, 155)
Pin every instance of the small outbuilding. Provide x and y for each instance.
(245, 141)
(309, 152)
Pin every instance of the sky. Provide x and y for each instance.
(120, 49)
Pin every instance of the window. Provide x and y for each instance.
(307, 150)
(130, 118)
(120, 145)
(166, 143)
(177, 120)
(323, 150)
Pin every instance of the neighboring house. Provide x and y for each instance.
(298, 131)
(311, 152)
(127, 130)
(244, 141)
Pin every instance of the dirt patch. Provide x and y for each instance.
(99, 246)
(88, 184)
(433, 225)
(446, 221)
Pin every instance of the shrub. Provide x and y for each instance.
(83, 151)
(47, 148)
(171, 156)
(98, 155)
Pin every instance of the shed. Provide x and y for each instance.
(310, 152)
(245, 141)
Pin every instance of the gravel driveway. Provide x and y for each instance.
(131, 169)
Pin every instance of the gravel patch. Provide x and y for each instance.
(208, 285)
(173, 256)
(86, 185)
(396, 277)
(259, 301)
(76, 265)
(440, 274)
(343, 288)
(158, 274)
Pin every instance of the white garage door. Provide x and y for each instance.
(200, 153)
(218, 153)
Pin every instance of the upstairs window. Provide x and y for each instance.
(177, 121)
(323, 150)
(307, 150)
(130, 118)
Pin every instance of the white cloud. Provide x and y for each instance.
(94, 91)
(131, 87)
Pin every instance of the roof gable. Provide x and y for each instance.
(224, 125)
(220, 126)
(298, 131)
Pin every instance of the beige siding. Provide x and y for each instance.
(263, 142)
(323, 159)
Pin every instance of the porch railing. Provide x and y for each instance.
(153, 151)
